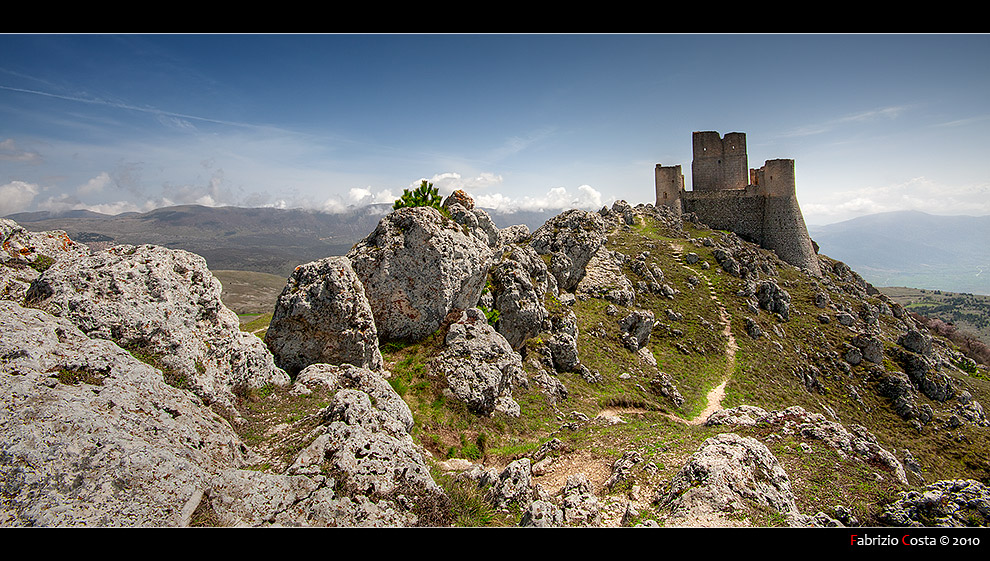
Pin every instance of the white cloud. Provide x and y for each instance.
(95, 185)
(10, 152)
(16, 196)
(918, 193)
(557, 198)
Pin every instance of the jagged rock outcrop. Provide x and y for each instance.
(571, 239)
(163, 304)
(513, 485)
(461, 208)
(93, 436)
(721, 481)
(636, 328)
(774, 299)
(322, 316)
(542, 514)
(517, 298)
(579, 504)
(856, 442)
(333, 378)
(621, 469)
(604, 278)
(479, 365)
(743, 415)
(25, 255)
(950, 503)
(369, 453)
(416, 267)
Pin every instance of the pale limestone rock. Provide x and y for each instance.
(322, 316)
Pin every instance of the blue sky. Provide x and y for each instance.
(117, 123)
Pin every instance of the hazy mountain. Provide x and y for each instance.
(911, 248)
(265, 240)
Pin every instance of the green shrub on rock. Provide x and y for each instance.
(424, 195)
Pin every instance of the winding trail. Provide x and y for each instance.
(717, 393)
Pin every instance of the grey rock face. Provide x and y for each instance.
(950, 503)
(163, 303)
(416, 267)
(603, 278)
(571, 239)
(916, 342)
(368, 453)
(477, 221)
(253, 499)
(580, 505)
(773, 298)
(636, 329)
(870, 347)
(373, 383)
(24, 255)
(743, 415)
(322, 316)
(513, 485)
(93, 437)
(622, 467)
(855, 442)
(480, 366)
(726, 473)
(515, 234)
(521, 312)
(897, 387)
(542, 514)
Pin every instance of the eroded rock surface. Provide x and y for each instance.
(723, 480)
(164, 305)
(322, 316)
(479, 365)
(416, 267)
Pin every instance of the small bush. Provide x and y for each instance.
(424, 195)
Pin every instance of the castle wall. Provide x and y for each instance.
(773, 222)
(739, 211)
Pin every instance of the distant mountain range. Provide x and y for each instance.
(906, 248)
(265, 240)
(912, 248)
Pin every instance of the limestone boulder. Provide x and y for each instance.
(521, 311)
(164, 305)
(91, 436)
(571, 239)
(604, 278)
(323, 316)
(722, 479)
(372, 382)
(371, 457)
(416, 267)
(947, 503)
(25, 255)
(479, 365)
(636, 328)
(773, 298)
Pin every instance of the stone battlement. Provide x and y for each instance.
(760, 205)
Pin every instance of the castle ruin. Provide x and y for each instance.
(760, 205)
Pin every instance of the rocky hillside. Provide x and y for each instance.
(618, 368)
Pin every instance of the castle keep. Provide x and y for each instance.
(760, 205)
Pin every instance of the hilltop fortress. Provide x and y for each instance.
(759, 205)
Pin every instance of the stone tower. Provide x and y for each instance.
(670, 185)
(719, 163)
